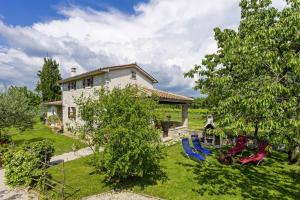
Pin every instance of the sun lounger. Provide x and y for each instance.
(258, 157)
(189, 151)
(197, 145)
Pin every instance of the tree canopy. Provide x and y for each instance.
(253, 80)
(16, 109)
(122, 121)
(48, 84)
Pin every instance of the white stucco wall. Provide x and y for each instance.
(122, 77)
(69, 97)
(115, 78)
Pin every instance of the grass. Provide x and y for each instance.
(187, 179)
(79, 175)
(62, 144)
(197, 117)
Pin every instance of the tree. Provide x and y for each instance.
(200, 102)
(16, 109)
(48, 84)
(122, 121)
(253, 80)
(34, 99)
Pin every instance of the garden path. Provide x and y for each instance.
(71, 155)
(120, 196)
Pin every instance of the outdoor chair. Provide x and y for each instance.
(258, 157)
(197, 145)
(240, 146)
(189, 151)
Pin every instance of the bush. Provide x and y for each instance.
(53, 119)
(3, 149)
(22, 168)
(43, 149)
(122, 121)
(5, 139)
(25, 165)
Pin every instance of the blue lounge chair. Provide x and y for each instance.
(189, 151)
(198, 147)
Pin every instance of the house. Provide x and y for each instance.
(109, 78)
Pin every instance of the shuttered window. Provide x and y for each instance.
(72, 85)
(72, 112)
(133, 75)
(88, 82)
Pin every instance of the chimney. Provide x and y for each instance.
(73, 71)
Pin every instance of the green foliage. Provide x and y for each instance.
(3, 149)
(25, 165)
(200, 102)
(5, 139)
(122, 121)
(48, 84)
(33, 98)
(253, 80)
(22, 167)
(43, 149)
(273, 179)
(53, 119)
(16, 109)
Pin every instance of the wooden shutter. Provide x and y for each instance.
(83, 83)
(69, 112)
(69, 86)
(74, 113)
(92, 81)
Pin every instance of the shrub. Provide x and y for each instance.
(25, 165)
(3, 148)
(5, 139)
(22, 168)
(122, 121)
(53, 119)
(43, 149)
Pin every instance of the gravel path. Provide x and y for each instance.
(11, 194)
(71, 155)
(119, 196)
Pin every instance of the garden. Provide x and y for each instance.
(252, 87)
(274, 179)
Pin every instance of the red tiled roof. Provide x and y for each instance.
(167, 96)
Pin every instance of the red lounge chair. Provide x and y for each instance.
(258, 157)
(240, 145)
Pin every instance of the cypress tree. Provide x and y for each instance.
(48, 84)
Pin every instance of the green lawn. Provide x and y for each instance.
(61, 143)
(197, 117)
(186, 179)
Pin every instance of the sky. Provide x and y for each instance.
(165, 37)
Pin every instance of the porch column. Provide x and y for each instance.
(184, 114)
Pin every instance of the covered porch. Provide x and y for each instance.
(53, 114)
(172, 129)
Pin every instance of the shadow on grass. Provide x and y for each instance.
(131, 182)
(21, 141)
(268, 181)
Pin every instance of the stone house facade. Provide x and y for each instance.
(109, 77)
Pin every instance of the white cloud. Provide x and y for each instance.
(166, 37)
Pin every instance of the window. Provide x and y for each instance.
(72, 85)
(72, 112)
(133, 75)
(88, 82)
